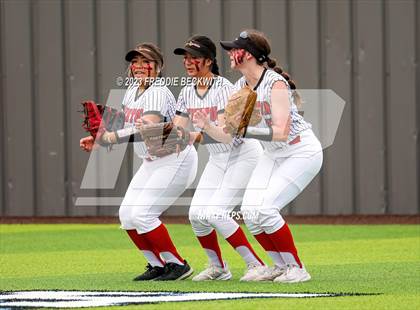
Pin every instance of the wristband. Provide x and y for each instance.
(129, 134)
(263, 134)
(106, 138)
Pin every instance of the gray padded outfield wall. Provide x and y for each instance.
(54, 54)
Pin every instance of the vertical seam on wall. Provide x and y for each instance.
(417, 79)
(128, 43)
(288, 38)
(3, 137)
(222, 34)
(96, 53)
(159, 24)
(321, 82)
(385, 85)
(34, 104)
(191, 16)
(255, 11)
(353, 100)
(191, 23)
(289, 206)
(127, 25)
(66, 113)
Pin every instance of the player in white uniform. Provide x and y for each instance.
(230, 165)
(159, 181)
(291, 159)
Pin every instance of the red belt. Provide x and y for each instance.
(295, 140)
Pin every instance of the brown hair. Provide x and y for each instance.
(261, 41)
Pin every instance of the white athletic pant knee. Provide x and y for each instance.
(276, 181)
(198, 220)
(124, 214)
(133, 191)
(219, 208)
(153, 189)
(203, 193)
(221, 188)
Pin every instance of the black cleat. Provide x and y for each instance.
(150, 273)
(175, 272)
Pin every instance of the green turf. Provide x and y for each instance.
(382, 259)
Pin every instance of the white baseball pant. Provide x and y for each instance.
(279, 177)
(154, 187)
(221, 188)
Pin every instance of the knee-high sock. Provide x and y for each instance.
(211, 246)
(239, 242)
(151, 254)
(161, 240)
(270, 248)
(283, 240)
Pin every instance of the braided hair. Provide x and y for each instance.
(262, 43)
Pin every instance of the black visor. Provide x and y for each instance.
(244, 42)
(195, 49)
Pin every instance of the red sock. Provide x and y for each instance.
(211, 246)
(270, 248)
(239, 242)
(161, 240)
(265, 242)
(284, 243)
(143, 245)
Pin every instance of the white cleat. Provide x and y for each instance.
(255, 273)
(213, 272)
(271, 273)
(293, 274)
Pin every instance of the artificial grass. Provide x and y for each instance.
(372, 259)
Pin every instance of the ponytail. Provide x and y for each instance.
(215, 67)
(272, 64)
(261, 43)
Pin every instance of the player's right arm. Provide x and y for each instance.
(210, 130)
(182, 118)
(214, 132)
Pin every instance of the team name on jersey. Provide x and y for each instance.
(131, 115)
(212, 111)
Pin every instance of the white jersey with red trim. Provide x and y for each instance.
(263, 90)
(157, 100)
(213, 102)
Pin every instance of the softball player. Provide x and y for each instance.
(159, 181)
(226, 175)
(292, 154)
